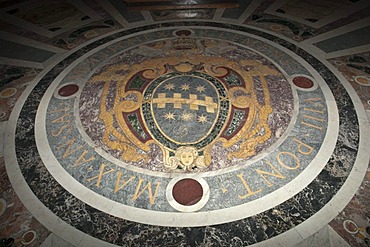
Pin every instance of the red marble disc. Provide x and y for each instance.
(187, 192)
(302, 82)
(183, 32)
(68, 90)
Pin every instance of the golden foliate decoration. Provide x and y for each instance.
(119, 135)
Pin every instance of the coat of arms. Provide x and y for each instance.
(184, 101)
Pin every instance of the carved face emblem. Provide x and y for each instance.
(187, 158)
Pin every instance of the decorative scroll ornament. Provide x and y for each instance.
(185, 103)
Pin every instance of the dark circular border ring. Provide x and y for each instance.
(297, 209)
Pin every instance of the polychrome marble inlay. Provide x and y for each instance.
(188, 106)
(188, 130)
(181, 99)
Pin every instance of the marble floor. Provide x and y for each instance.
(200, 127)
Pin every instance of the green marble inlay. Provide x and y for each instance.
(137, 82)
(235, 122)
(232, 79)
(134, 121)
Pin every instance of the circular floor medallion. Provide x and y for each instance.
(350, 226)
(363, 80)
(303, 82)
(141, 123)
(8, 92)
(28, 237)
(68, 90)
(187, 192)
(188, 128)
(183, 32)
(276, 27)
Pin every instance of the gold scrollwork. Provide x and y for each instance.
(241, 101)
(132, 104)
(255, 129)
(120, 142)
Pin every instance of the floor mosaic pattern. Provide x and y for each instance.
(209, 126)
(187, 133)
